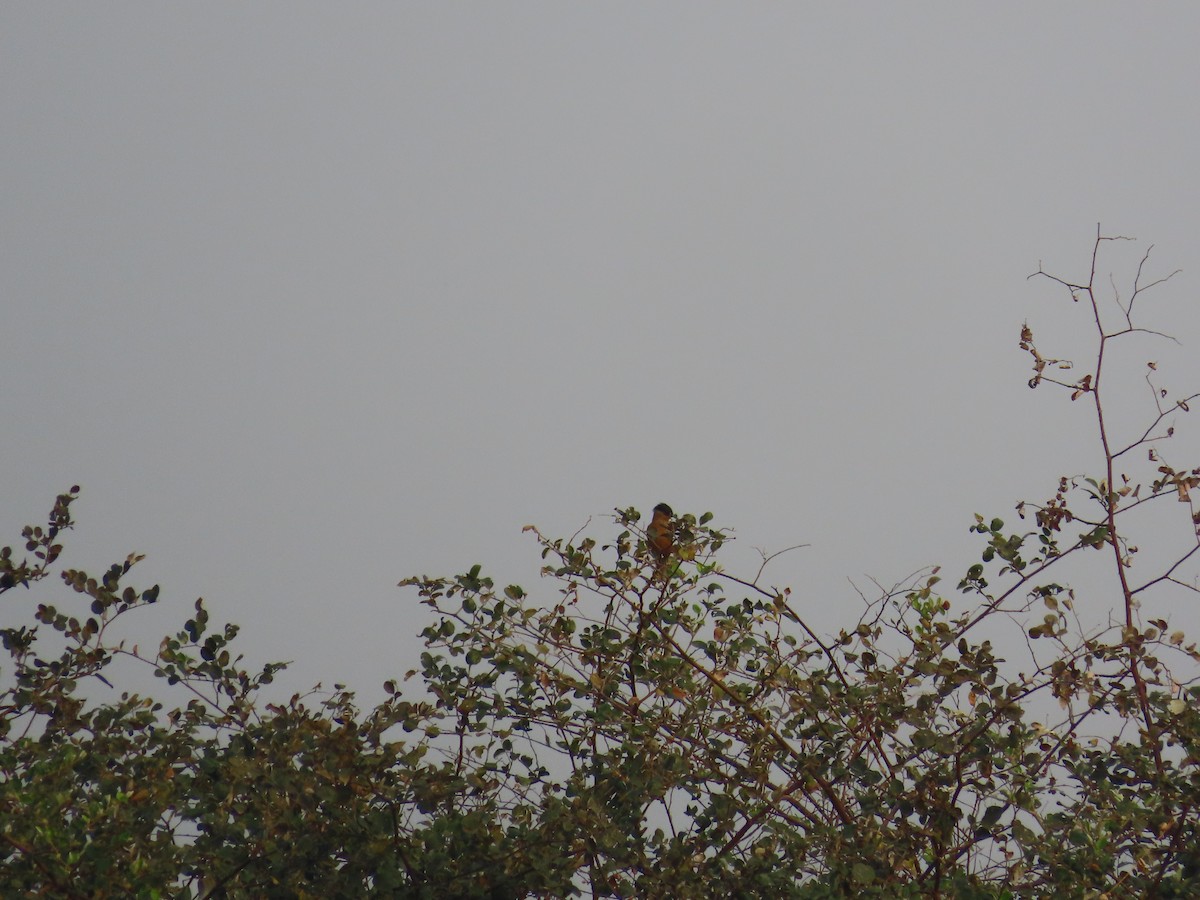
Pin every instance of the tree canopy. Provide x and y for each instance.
(646, 723)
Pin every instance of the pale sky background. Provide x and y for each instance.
(312, 297)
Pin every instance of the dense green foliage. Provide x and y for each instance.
(634, 729)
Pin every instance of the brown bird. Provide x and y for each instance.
(660, 533)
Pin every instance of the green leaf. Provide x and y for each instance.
(861, 873)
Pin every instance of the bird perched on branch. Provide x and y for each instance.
(660, 533)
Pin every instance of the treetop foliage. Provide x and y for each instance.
(648, 724)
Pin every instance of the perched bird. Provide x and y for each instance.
(660, 533)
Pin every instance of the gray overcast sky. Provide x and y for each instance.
(311, 297)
